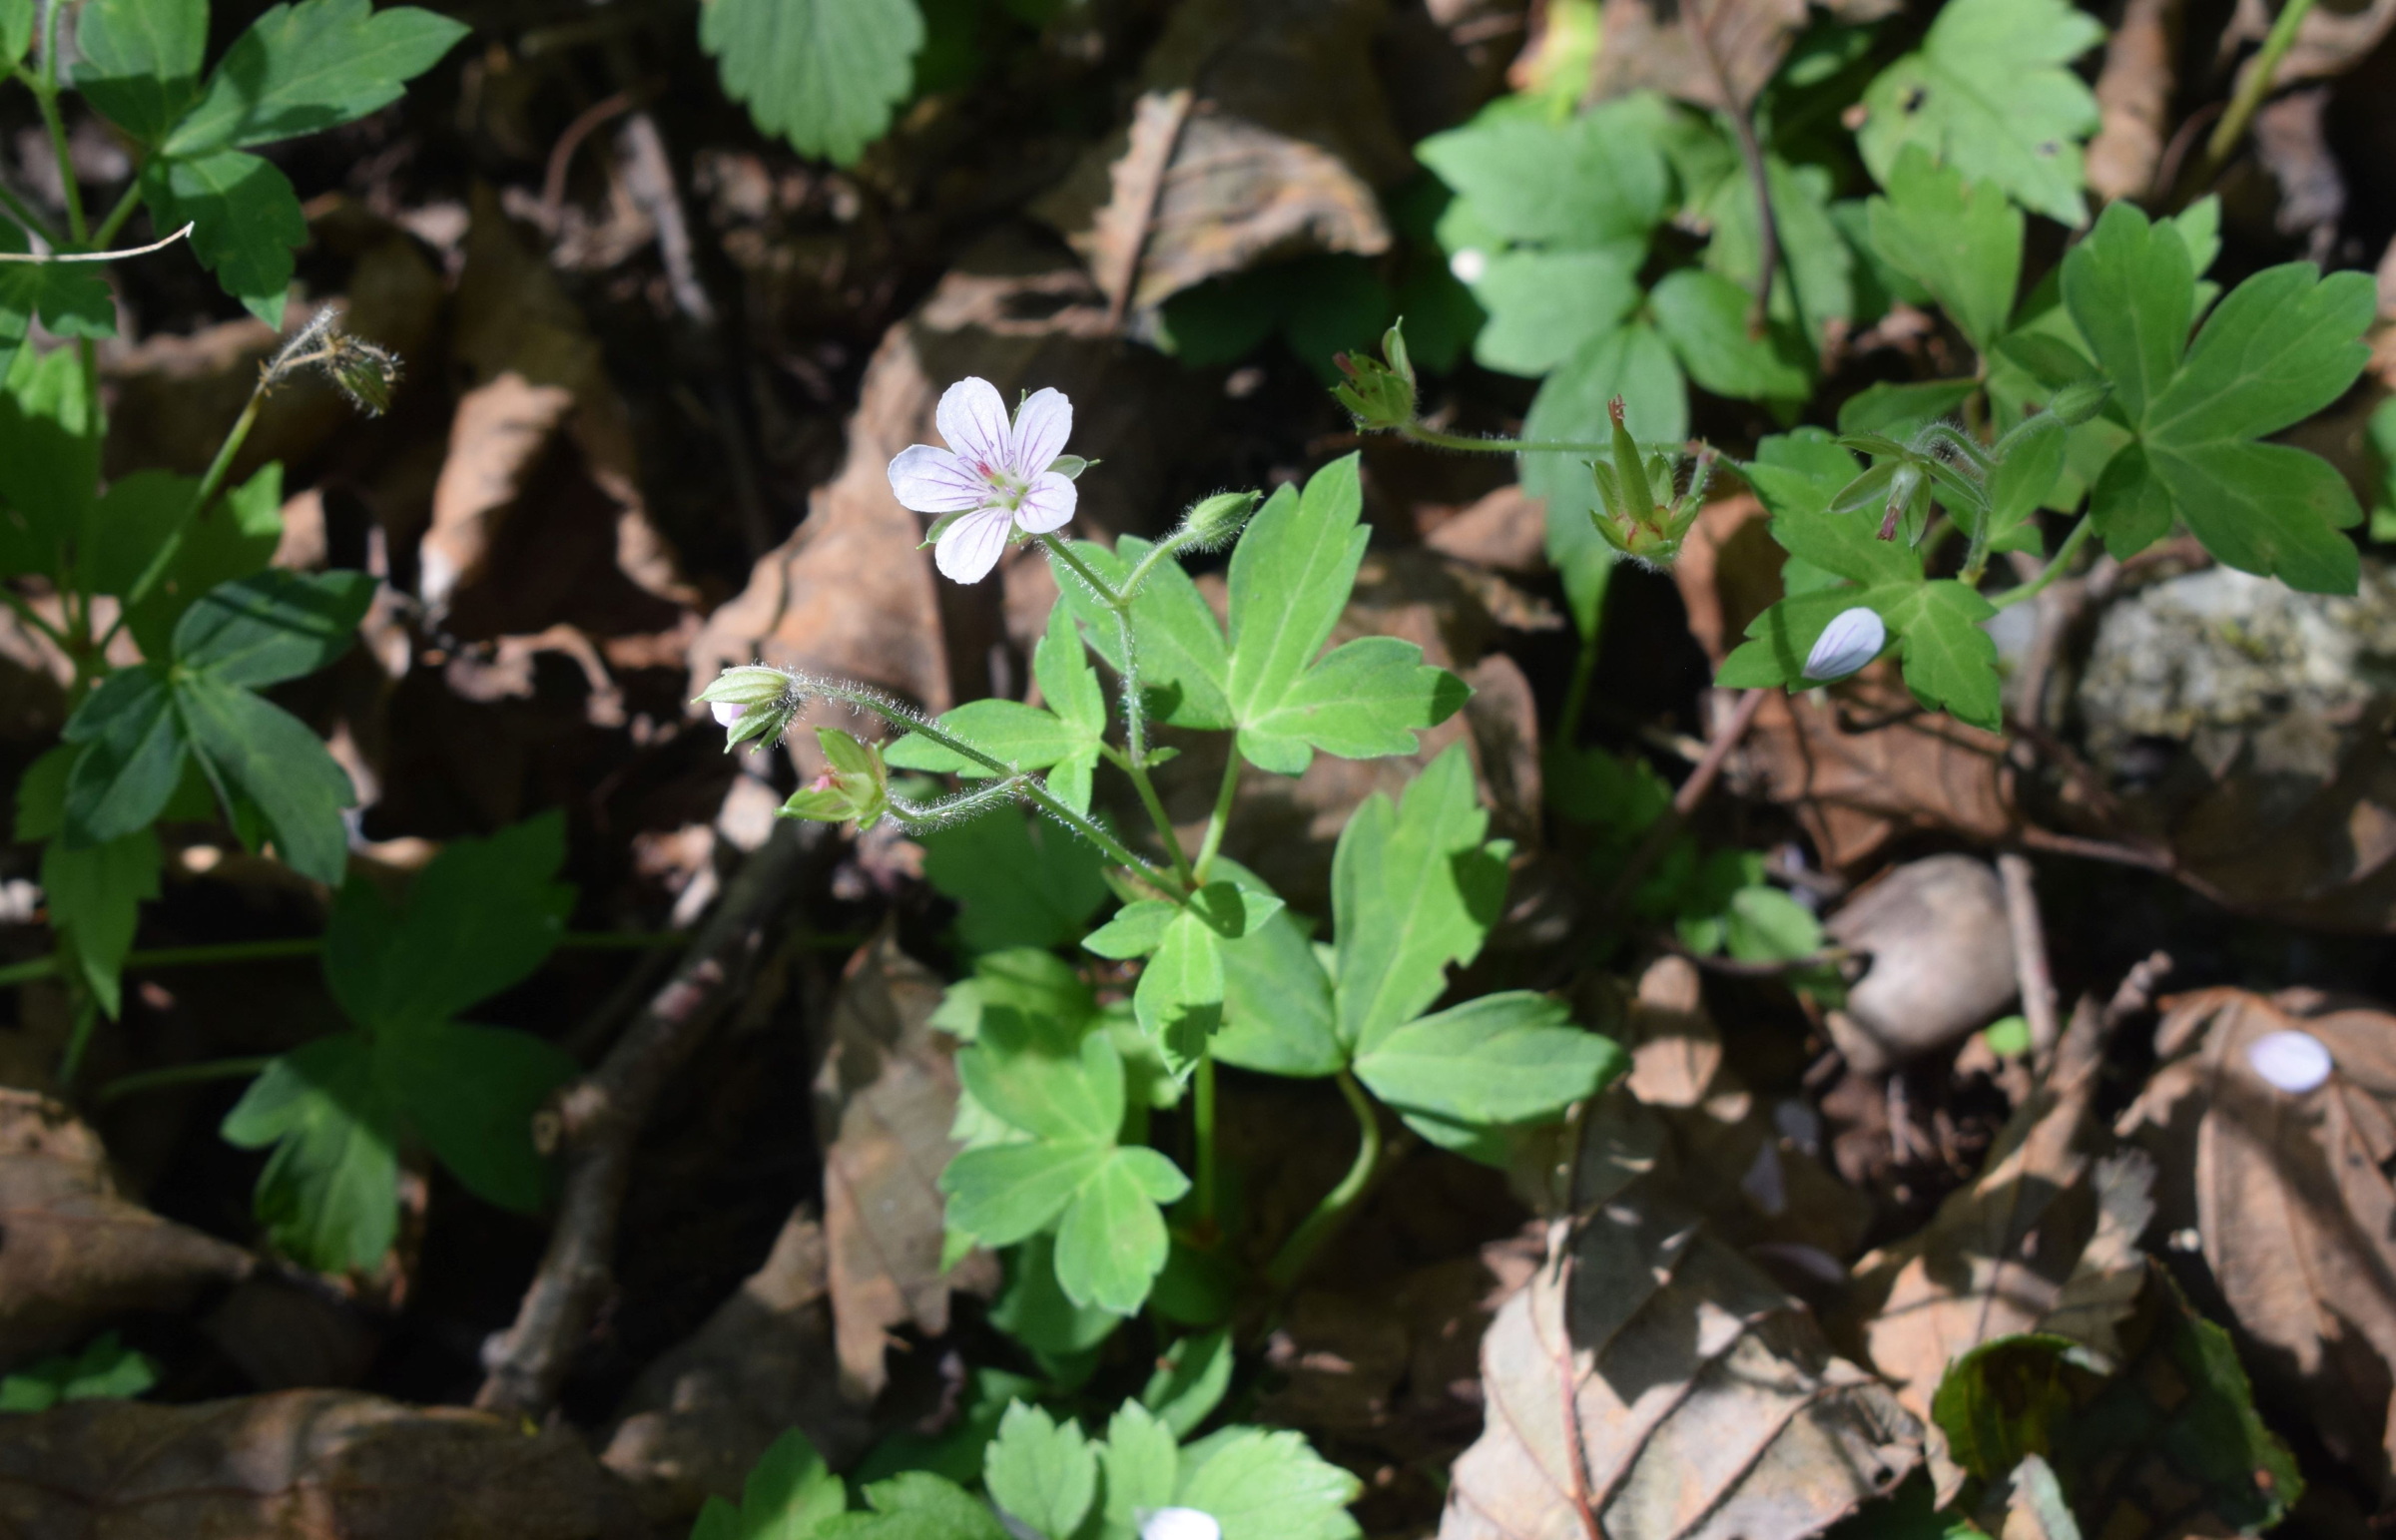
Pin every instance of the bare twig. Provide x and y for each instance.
(1742, 124)
(600, 1118)
(561, 154)
(2135, 992)
(2030, 973)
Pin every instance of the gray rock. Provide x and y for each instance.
(1942, 961)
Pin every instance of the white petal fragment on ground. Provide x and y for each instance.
(2291, 1061)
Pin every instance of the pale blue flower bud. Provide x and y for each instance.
(1852, 638)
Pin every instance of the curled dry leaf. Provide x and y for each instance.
(301, 1465)
(2291, 1193)
(74, 1254)
(2133, 98)
(1651, 44)
(699, 1418)
(1260, 133)
(887, 1094)
(1650, 1382)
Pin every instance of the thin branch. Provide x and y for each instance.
(2032, 975)
(1752, 151)
(600, 1118)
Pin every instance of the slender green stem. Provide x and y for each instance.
(45, 94)
(1203, 1088)
(117, 216)
(23, 212)
(1135, 749)
(1220, 819)
(2054, 568)
(32, 617)
(50, 24)
(1167, 549)
(1333, 1211)
(1576, 692)
(1438, 441)
(2253, 87)
(180, 1075)
(163, 557)
(79, 1037)
(1060, 552)
(282, 947)
(1044, 800)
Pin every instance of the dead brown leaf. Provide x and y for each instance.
(300, 1466)
(2292, 1194)
(887, 1095)
(1260, 133)
(701, 1415)
(1651, 45)
(1650, 1382)
(75, 1254)
(2133, 98)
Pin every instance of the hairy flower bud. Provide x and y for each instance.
(753, 702)
(1379, 394)
(1852, 638)
(855, 789)
(1214, 520)
(2076, 403)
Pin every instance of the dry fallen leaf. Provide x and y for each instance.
(2133, 98)
(300, 1466)
(1650, 1382)
(888, 1094)
(1649, 45)
(73, 1252)
(701, 1415)
(2276, 1118)
(1260, 133)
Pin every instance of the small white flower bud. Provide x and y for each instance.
(1179, 1524)
(1853, 638)
(2290, 1061)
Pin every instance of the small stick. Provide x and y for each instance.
(1751, 152)
(2030, 973)
(600, 1118)
(2136, 990)
(1143, 173)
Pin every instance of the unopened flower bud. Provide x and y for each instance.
(1379, 394)
(1905, 489)
(855, 789)
(2076, 403)
(1213, 520)
(752, 701)
(1852, 638)
(1179, 1524)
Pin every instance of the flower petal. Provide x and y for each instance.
(971, 547)
(972, 417)
(1042, 424)
(1048, 504)
(932, 480)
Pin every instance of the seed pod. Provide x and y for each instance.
(1852, 638)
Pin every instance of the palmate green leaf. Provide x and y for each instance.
(1704, 317)
(132, 747)
(246, 222)
(824, 74)
(1949, 658)
(1277, 1002)
(328, 1194)
(1189, 1383)
(1068, 735)
(1959, 240)
(1142, 1457)
(1413, 889)
(1019, 881)
(1044, 1076)
(49, 461)
(1290, 579)
(789, 1495)
(1041, 1473)
(94, 893)
(2019, 486)
(1136, 929)
(232, 538)
(1267, 1485)
(140, 62)
(1898, 409)
(1179, 1000)
(470, 1093)
(481, 916)
(1544, 306)
(302, 69)
(1032, 1307)
(273, 625)
(918, 1506)
(1507, 1058)
(253, 749)
(72, 299)
(2282, 345)
(1587, 182)
(1988, 94)
(16, 29)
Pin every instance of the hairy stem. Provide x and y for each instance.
(1135, 749)
(2054, 569)
(1436, 439)
(282, 947)
(1203, 1113)
(1333, 1210)
(1058, 551)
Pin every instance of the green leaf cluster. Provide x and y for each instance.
(480, 919)
(298, 69)
(1266, 678)
(1415, 889)
(106, 1369)
(824, 74)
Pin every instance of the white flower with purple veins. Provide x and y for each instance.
(994, 479)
